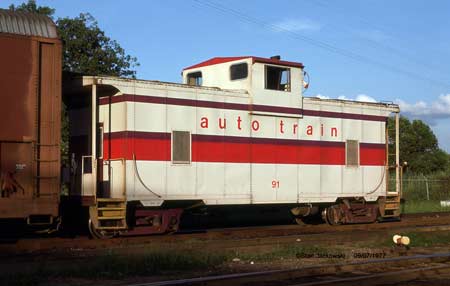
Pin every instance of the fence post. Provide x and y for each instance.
(428, 192)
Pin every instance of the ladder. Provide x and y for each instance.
(45, 185)
(109, 214)
(390, 206)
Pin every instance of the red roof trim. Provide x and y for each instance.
(221, 60)
(277, 62)
(215, 61)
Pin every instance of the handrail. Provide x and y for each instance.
(140, 179)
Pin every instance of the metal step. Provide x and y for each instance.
(111, 209)
(392, 194)
(110, 200)
(111, 217)
(390, 215)
(112, 227)
(111, 214)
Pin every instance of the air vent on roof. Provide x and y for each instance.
(275, 57)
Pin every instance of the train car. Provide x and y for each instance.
(237, 131)
(30, 85)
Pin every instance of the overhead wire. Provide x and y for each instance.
(402, 53)
(317, 43)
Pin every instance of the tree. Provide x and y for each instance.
(418, 147)
(86, 48)
(32, 7)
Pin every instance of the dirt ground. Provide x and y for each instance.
(200, 257)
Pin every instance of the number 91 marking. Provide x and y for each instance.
(275, 184)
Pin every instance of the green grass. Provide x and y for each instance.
(418, 239)
(424, 194)
(423, 206)
(113, 266)
(426, 239)
(289, 252)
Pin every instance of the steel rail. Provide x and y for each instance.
(288, 277)
(241, 234)
(375, 279)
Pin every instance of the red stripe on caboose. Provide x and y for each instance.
(372, 154)
(148, 146)
(236, 106)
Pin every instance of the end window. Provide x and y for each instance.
(100, 137)
(181, 147)
(194, 78)
(239, 71)
(278, 78)
(352, 153)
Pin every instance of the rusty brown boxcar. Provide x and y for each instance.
(30, 112)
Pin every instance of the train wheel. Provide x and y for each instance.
(99, 234)
(333, 215)
(299, 221)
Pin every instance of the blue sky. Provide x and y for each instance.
(384, 50)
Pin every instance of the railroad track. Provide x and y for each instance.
(424, 222)
(371, 272)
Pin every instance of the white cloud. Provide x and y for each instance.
(429, 112)
(365, 98)
(296, 25)
(435, 113)
(359, 97)
(322, 96)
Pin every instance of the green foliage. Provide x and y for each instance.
(88, 50)
(418, 147)
(32, 7)
(65, 134)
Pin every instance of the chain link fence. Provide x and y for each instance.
(425, 194)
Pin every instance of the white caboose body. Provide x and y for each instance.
(237, 132)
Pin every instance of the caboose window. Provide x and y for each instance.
(352, 153)
(278, 78)
(194, 78)
(239, 71)
(181, 147)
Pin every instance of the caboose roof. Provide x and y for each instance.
(220, 60)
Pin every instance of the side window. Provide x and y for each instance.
(181, 147)
(278, 78)
(352, 153)
(194, 78)
(239, 71)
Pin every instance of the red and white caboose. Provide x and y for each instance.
(237, 132)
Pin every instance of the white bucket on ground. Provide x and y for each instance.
(445, 203)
